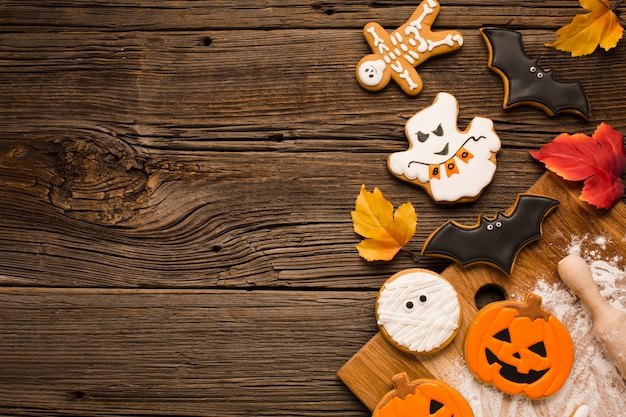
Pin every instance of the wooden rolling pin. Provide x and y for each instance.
(609, 324)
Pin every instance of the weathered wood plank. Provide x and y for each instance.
(281, 14)
(141, 352)
(170, 91)
(268, 222)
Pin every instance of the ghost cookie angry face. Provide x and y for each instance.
(418, 311)
(450, 165)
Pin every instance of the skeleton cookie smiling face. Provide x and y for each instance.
(372, 72)
(449, 164)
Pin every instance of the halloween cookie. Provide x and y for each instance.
(493, 240)
(422, 397)
(396, 55)
(525, 82)
(450, 165)
(519, 348)
(418, 311)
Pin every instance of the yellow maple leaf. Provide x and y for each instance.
(386, 232)
(599, 27)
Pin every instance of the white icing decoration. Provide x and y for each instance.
(419, 325)
(448, 40)
(371, 72)
(404, 51)
(378, 41)
(406, 76)
(479, 139)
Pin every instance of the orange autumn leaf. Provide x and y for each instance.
(385, 232)
(599, 27)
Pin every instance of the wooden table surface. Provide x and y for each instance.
(176, 181)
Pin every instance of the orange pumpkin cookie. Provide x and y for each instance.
(422, 397)
(519, 348)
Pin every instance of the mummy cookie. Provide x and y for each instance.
(395, 55)
(519, 348)
(450, 165)
(418, 311)
(525, 82)
(422, 397)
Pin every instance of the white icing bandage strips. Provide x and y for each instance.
(418, 311)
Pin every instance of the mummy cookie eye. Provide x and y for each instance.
(438, 131)
(408, 306)
(422, 137)
(423, 298)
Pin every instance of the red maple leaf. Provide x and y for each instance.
(598, 161)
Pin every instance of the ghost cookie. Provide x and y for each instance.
(418, 311)
(450, 165)
(396, 55)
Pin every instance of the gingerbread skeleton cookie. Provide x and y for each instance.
(418, 311)
(450, 165)
(396, 55)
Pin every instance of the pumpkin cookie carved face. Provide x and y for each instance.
(422, 398)
(519, 348)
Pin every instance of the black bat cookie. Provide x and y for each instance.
(495, 240)
(524, 80)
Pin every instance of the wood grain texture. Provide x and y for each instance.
(150, 352)
(157, 158)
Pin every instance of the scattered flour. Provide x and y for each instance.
(594, 380)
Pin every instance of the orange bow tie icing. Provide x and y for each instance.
(450, 165)
(422, 397)
(395, 55)
(519, 348)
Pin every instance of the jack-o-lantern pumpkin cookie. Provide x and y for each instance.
(422, 397)
(519, 348)
(450, 165)
(418, 311)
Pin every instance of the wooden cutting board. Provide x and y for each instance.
(368, 373)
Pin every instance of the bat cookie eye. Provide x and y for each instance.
(534, 70)
(495, 225)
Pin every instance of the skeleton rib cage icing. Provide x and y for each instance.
(404, 48)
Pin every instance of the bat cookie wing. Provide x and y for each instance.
(496, 240)
(525, 82)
